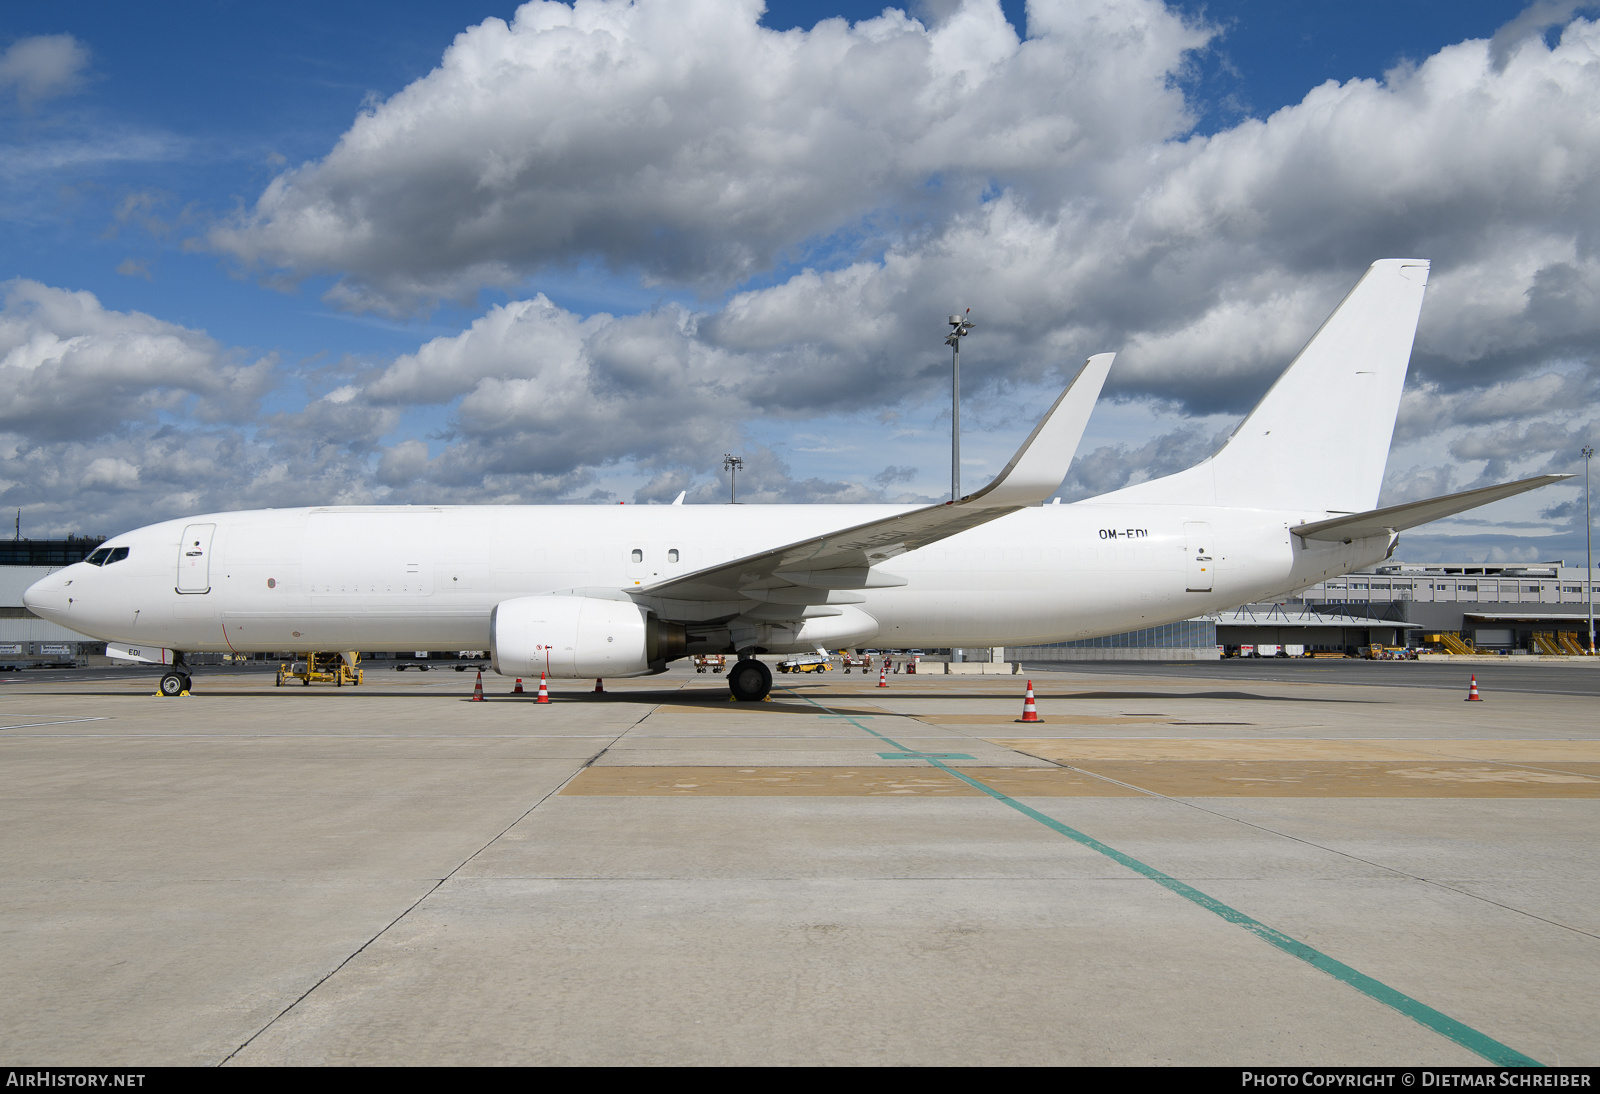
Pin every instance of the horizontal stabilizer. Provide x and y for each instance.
(1397, 518)
(843, 559)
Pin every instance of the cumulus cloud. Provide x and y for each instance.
(1536, 18)
(1048, 183)
(43, 66)
(110, 473)
(537, 390)
(72, 369)
(901, 170)
(683, 139)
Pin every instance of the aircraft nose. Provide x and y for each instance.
(48, 594)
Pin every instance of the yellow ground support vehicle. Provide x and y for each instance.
(806, 662)
(337, 669)
(1390, 653)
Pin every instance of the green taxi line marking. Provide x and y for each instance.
(923, 756)
(1459, 1032)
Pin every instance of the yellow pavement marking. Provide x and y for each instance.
(1334, 779)
(1295, 768)
(834, 782)
(1068, 749)
(767, 782)
(1403, 778)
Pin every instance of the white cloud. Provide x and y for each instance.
(110, 473)
(43, 66)
(682, 139)
(1049, 184)
(70, 368)
(536, 390)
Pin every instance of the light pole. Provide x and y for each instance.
(1588, 542)
(732, 463)
(960, 325)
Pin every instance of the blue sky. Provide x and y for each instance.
(268, 205)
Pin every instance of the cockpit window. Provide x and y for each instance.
(98, 557)
(117, 555)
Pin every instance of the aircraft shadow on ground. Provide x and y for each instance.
(709, 698)
(1067, 696)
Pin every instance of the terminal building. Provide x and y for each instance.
(1510, 608)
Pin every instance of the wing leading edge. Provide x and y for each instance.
(806, 570)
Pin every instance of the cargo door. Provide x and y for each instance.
(372, 553)
(1200, 550)
(194, 559)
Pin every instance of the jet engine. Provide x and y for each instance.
(580, 636)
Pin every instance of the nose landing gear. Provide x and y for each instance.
(176, 680)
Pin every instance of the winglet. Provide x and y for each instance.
(1041, 463)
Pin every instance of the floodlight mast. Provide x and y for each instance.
(1588, 542)
(732, 464)
(960, 326)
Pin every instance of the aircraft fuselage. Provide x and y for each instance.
(424, 577)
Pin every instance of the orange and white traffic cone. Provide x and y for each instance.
(883, 675)
(1472, 691)
(599, 686)
(544, 691)
(477, 689)
(518, 689)
(1030, 712)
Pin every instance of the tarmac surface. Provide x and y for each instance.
(1540, 676)
(1180, 864)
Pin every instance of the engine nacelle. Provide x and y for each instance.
(580, 636)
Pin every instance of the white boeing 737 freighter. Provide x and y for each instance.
(595, 591)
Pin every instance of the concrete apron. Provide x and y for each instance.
(655, 875)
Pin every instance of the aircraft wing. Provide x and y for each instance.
(1397, 518)
(844, 559)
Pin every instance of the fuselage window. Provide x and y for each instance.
(117, 555)
(638, 555)
(672, 555)
(98, 558)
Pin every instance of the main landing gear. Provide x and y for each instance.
(750, 680)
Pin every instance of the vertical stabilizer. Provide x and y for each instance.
(1319, 439)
